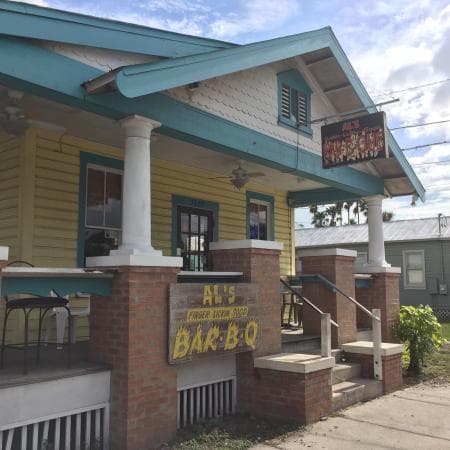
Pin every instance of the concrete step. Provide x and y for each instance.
(355, 390)
(343, 372)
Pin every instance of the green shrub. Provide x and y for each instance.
(421, 333)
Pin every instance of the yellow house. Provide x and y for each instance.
(127, 146)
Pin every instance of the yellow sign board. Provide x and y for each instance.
(208, 319)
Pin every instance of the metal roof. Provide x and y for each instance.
(395, 231)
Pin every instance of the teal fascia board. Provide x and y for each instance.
(63, 285)
(319, 197)
(30, 21)
(143, 79)
(42, 72)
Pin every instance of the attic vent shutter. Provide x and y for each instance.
(293, 105)
(285, 101)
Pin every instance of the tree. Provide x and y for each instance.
(421, 333)
(387, 216)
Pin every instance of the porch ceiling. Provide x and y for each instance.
(59, 118)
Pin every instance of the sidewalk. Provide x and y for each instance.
(414, 418)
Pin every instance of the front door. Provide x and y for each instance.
(195, 228)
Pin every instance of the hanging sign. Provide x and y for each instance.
(354, 140)
(212, 319)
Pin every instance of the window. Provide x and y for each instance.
(194, 226)
(100, 226)
(260, 221)
(294, 101)
(414, 269)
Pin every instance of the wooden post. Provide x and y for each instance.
(325, 326)
(376, 330)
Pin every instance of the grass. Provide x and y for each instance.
(446, 330)
(236, 432)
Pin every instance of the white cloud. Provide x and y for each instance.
(254, 16)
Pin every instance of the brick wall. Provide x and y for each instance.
(340, 271)
(129, 332)
(260, 266)
(392, 369)
(364, 296)
(286, 396)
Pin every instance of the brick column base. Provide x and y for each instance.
(128, 330)
(337, 266)
(383, 294)
(280, 395)
(392, 369)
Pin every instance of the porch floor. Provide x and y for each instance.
(53, 365)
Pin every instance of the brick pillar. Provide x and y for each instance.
(384, 294)
(364, 296)
(128, 330)
(260, 263)
(338, 266)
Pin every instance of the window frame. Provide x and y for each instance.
(294, 80)
(90, 160)
(262, 199)
(406, 284)
(178, 200)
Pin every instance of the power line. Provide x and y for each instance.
(425, 145)
(419, 125)
(413, 87)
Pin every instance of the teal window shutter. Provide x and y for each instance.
(294, 101)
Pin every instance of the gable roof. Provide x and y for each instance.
(395, 231)
(31, 21)
(143, 79)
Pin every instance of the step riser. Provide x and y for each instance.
(363, 390)
(345, 373)
(301, 347)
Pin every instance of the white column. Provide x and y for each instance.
(136, 248)
(136, 209)
(376, 256)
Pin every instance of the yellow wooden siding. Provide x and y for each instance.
(56, 201)
(10, 148)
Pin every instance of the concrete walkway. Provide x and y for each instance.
(414, 418)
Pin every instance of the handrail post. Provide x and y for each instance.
(376, 334)
(325, 328)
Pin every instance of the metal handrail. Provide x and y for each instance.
(333, 287)
(290, 288)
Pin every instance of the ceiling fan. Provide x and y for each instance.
(12, 117)
(239, 176)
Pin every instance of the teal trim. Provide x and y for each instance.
(362, 283)
(25, 20)
(85, 159)
(63, 285)
(294, 79)
(144, 79)
(178, 200)
(319, 197)
(264, 198)
(21, 68)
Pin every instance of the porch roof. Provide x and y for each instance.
(31, 21)
(31, 68)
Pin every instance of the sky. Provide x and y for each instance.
(393, 45)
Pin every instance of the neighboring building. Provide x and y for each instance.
(421, 247)
(143, 153)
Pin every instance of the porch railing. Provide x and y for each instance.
(375, 315)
